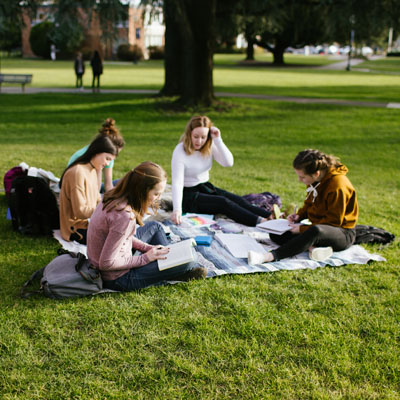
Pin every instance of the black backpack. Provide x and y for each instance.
(33, 206)
(370, 234)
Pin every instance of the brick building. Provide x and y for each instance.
(139, 29)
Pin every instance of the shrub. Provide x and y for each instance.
(393, 54)
(39, 39)
(10, 36)
(128, 52)
(156, 52)
(230, 50)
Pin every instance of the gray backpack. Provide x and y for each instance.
(67, 275)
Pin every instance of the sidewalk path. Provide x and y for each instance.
(342, 65)
(301, 100)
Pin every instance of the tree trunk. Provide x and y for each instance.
(173, 53)
(277, 52)
(189, 43)
(250, 50)
(249, 35)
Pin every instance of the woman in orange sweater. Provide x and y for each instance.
(79, 185)
(331, 206)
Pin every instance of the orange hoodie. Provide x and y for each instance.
(332, 201)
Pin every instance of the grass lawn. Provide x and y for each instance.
(298, 78)
(331, 333)
(384, 65)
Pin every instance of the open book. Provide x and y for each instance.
(179, 253)
(239, 245)
(277, 226)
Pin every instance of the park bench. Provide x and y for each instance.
(15, 78)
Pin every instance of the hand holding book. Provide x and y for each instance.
(157, 253)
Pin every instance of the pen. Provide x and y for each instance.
(295, 210)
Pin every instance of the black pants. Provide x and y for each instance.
(96, 78)
(316, 236)
(79, 238)
(79, 80)
(208, 199)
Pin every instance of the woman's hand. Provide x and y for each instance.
(157, 253)
(215, 132)
(295, 229)
(176, 217)
(293, 218)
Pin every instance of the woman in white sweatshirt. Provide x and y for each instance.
(191, 162)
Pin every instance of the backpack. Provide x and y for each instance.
(10, 175)
(33, 206)
(263, 200)
(67, 275)
(370, 234)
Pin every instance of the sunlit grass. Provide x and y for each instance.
(229, 76)
(330, 333)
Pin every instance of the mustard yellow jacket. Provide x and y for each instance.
(332, 201)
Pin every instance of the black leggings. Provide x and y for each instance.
(79, 82)
(96, 78)
(219, 201)
(79, 236)
(316, 236)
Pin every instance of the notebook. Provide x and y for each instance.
(239, 245)
(277, 226)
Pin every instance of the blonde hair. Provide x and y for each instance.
(134, 188)
(186, 138)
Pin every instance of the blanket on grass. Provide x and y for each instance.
(220, 261)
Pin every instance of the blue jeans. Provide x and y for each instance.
(149, 274)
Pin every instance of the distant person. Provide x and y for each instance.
(331, 206)
(192, 192)
(79, 185)
(53, 52)
(108, 129)
(79, 66)
(113, 235)
(97, 69)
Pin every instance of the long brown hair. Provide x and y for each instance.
(133, 189)
(109, 129)
(186, 138)
(102, 144)
(310, 161)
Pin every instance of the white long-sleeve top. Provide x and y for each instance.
(191, 170)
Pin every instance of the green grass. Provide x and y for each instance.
(331, 333)
(299, 78)
(384, 65)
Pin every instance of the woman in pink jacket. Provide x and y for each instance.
(112, 235)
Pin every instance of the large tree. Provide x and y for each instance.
(189, 48)
(369, 19)
(292, 23)
(68, 34)
(189, 44)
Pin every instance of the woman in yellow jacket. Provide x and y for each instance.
(331, 206)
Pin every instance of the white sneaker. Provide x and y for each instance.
(255, 258)
(320, 253)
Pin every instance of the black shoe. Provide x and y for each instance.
(195, 273)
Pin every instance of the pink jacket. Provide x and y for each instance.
(110, 240)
